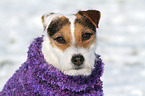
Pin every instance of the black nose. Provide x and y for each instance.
(77, 59)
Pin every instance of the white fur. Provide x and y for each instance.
(62, 60)
(72, 27)
(48, 53)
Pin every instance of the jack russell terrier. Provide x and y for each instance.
(63, 61)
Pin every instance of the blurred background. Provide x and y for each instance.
(121, 42)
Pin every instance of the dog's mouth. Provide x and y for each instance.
(78, 71)
(78, 68)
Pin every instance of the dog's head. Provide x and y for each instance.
(70, 41)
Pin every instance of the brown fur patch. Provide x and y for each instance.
(66, 34)
(92, 15)
(83, 20)
(79, 31)
(42, 18)
(82, 27)
(56, 25)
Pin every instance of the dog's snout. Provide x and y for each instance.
(77, 59)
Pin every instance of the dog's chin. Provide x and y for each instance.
(78, 72)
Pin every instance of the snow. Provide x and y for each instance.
(121, 40)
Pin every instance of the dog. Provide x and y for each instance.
(70, 42)
(63, 61)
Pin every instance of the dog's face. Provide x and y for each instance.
(70, 41)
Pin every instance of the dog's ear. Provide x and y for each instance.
(92, 15)
(47, 18)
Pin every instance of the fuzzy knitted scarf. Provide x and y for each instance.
(38, 78)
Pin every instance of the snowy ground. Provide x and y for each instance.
(121, 38)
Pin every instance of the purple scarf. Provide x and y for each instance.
(38, 78)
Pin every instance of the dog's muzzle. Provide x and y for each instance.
(77, 59)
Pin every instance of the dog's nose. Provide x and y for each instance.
(77, 59)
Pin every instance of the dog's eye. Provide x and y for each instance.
(86, 36)
(60, 40)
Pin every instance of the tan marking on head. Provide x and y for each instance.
(63, 32)
(42, 18)
(79, 31)
(86, 22)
